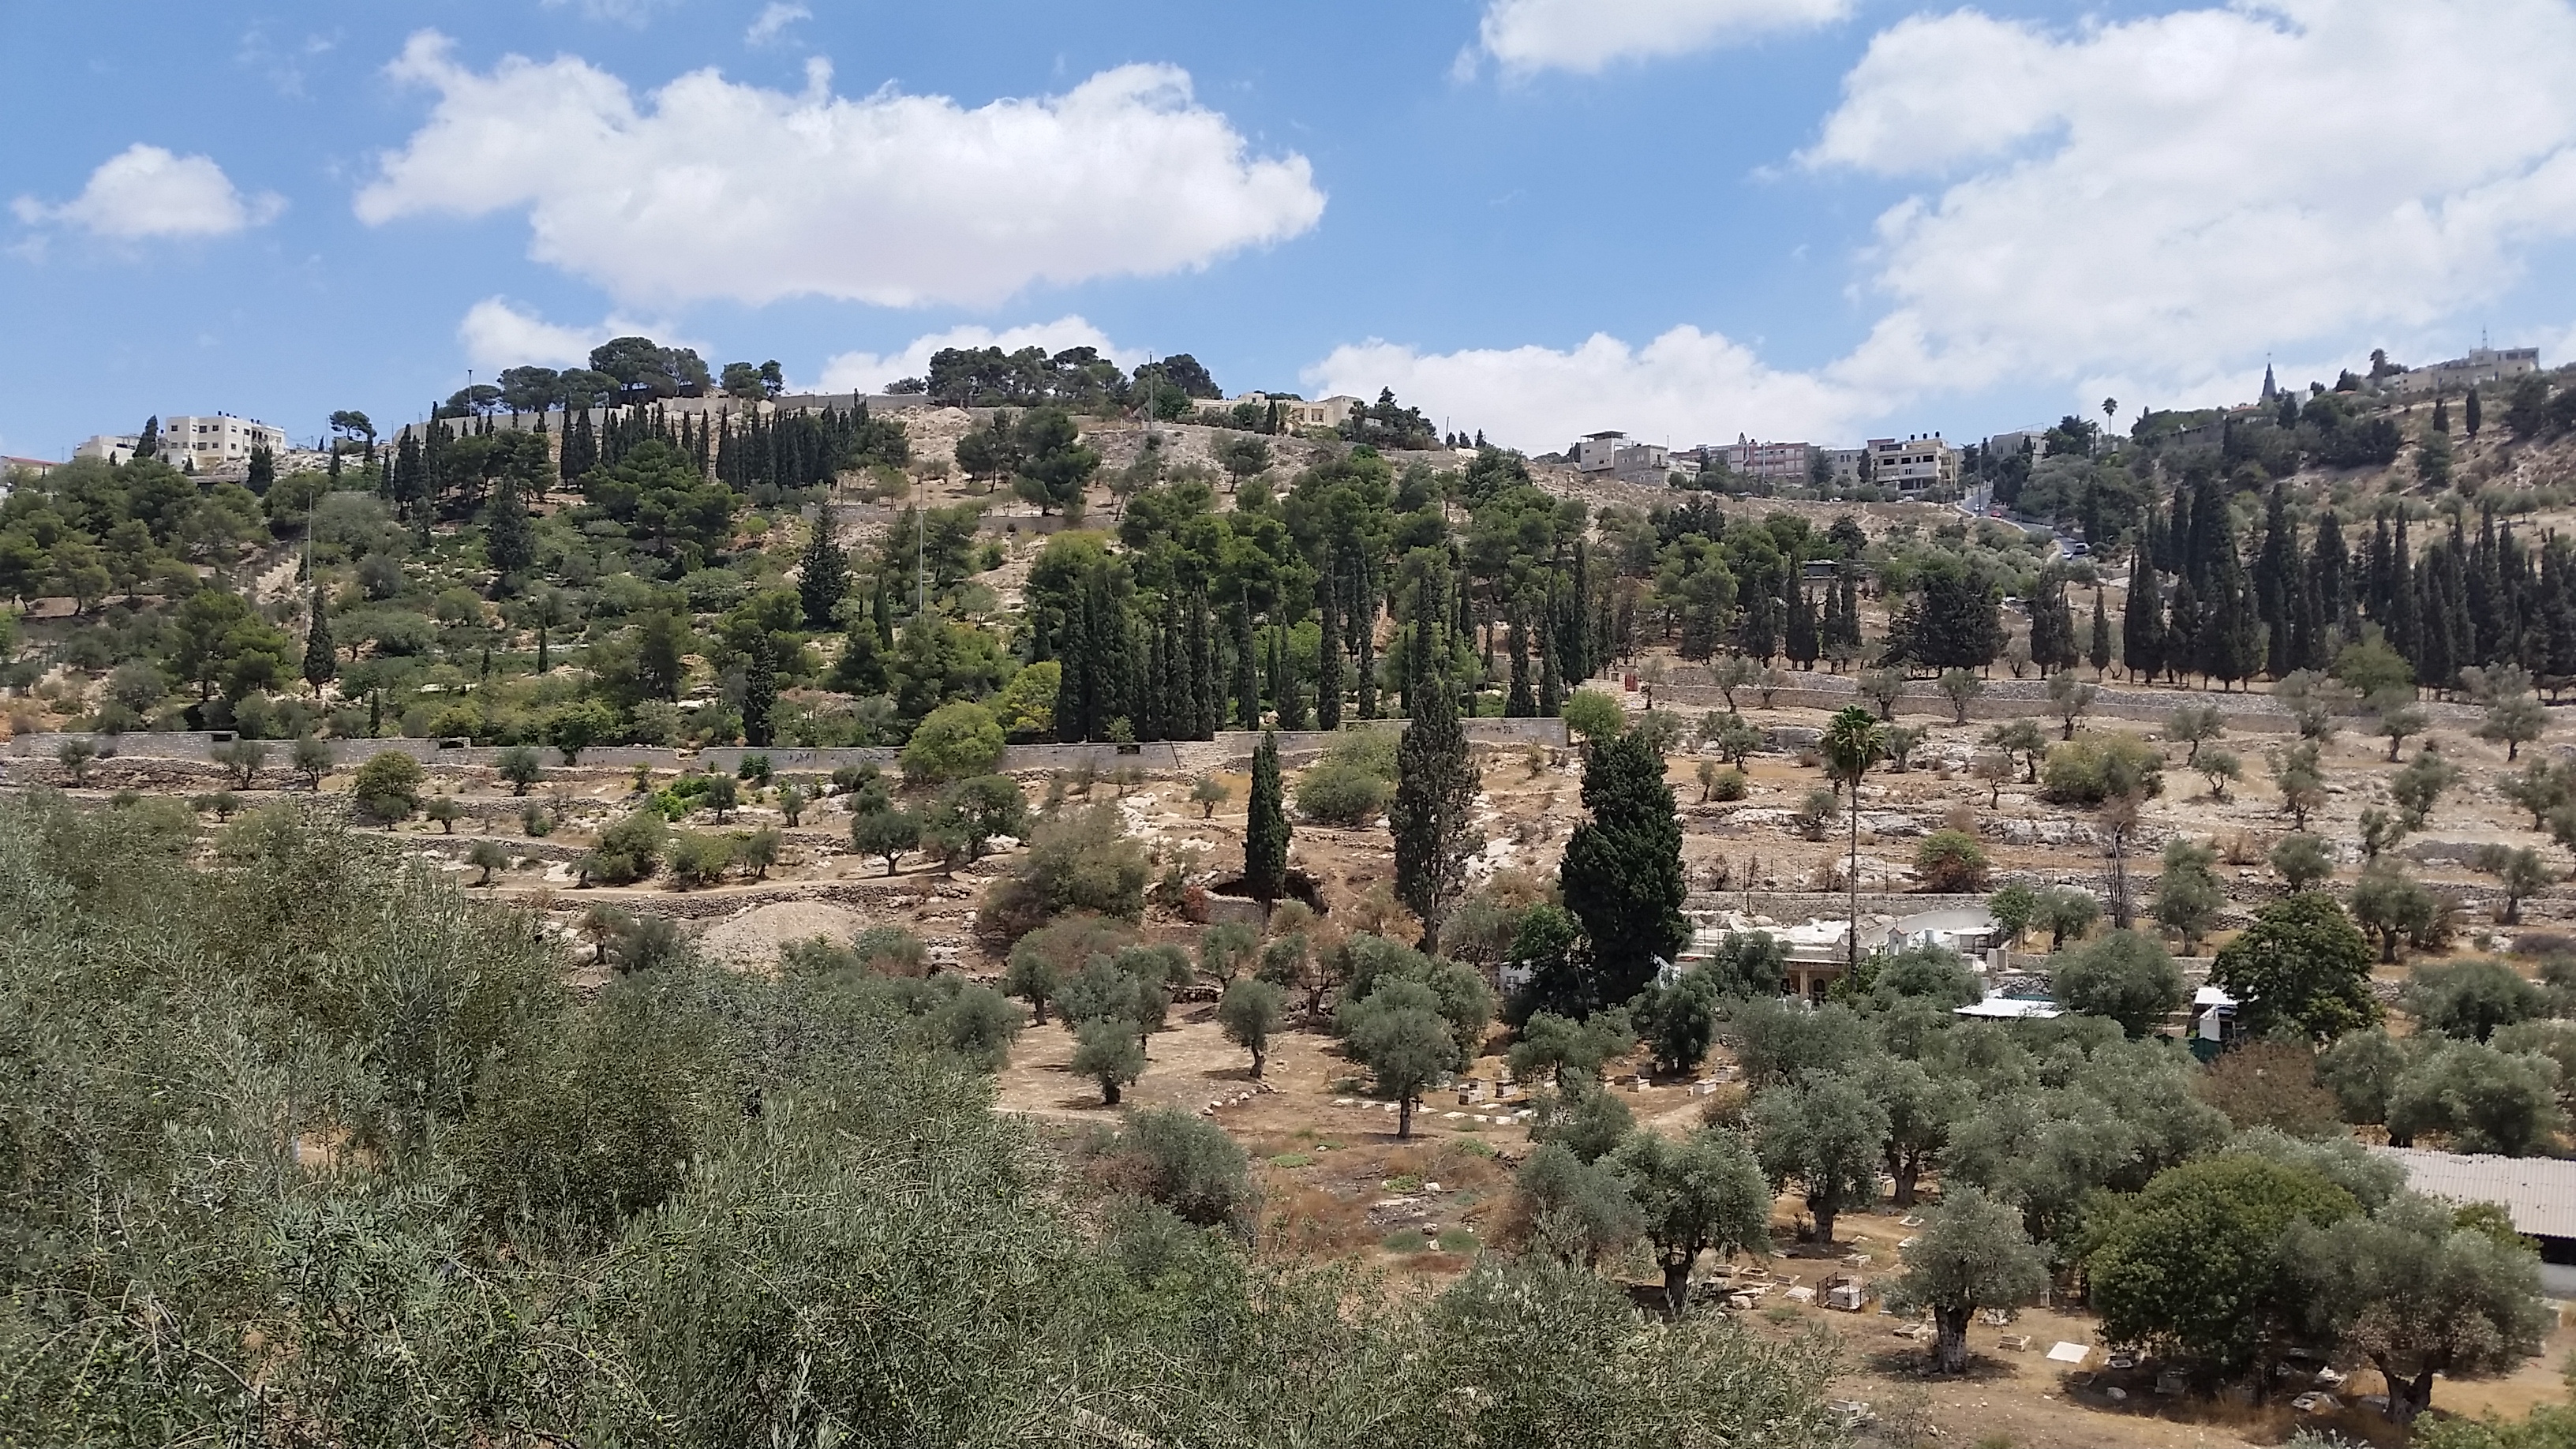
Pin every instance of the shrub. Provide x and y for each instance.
(698, 857)
(388, 787)
(955, 742)
(1336, 792)
(1951, 862)
(1188, 1166)
(629, 850)
(2100, 767)
(1078, 862)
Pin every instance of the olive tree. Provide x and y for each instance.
(2418, 1294)
(1972, 1254)
(1824, 1132)
(1702, 1194)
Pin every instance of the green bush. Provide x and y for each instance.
(1951, 862)
(1336, 792)
(629, 850)
(388, 787)
(1727, 784)
(955, 742)
(2096, 768)
(697, 857)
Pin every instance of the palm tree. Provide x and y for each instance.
(1854, 740)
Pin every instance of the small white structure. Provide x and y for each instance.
(2010, 1008)
(2213, 1014)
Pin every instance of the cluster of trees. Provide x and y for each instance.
(696, 1206)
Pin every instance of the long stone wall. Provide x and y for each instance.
(1159, 758)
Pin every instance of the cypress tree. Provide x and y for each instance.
(2101, 653)
(1622, 872)
(2441, 415)
(1363, 627)
(1290, 690)
(1432, 816)
(2142, 633)
(1519, 703)
(509, 540)
(1206, 694)
(321, 656)
(1801, 644)
(759, 697)
(2404, 621)
(1265, 834)
(1551, 685)
(1073, 659)
(1328, 647)
(2276, 580)
(824, 579)
(2471, 414)
(1573, 637)
(2330, 590)
(2182, 630)
(1247, 671)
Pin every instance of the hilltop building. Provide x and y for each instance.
(1613, 454)
(1296, 414)
(2482, 365)
(217, 440)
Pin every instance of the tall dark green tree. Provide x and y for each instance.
(1433, 814)
(509, 540)
(2142, 633)
(321, 656)
(1328, 658)
(1622, 872)
(1801, 645)
(1247, 670)
(824, 579)
(1518, 703)
(2100, 653)
(2330, 581)
(2471, 414)
(759, 696)
(1265, 833)
(2276, 581)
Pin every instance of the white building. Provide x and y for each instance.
(211, 441)
(1907, 465)
(1613, 453)
(1296, 414)
(2483, 364)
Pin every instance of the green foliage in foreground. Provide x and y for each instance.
(330, 1102)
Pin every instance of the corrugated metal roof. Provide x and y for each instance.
(2539, 1192)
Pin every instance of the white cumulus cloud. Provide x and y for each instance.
(870, 372)
(1588, 35)
(774, 18)
(1680, 387)
(2141, 210)
(497, 333)
(2167, 198)
(712, 189)
(145, 191)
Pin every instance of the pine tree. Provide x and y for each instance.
(321, 656)
(824, 579)
(1433, 813)
(1265, 834)
(2101, 652)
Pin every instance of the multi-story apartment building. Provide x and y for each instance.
(1777, 462)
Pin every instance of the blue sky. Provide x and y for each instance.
(1686, 218)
